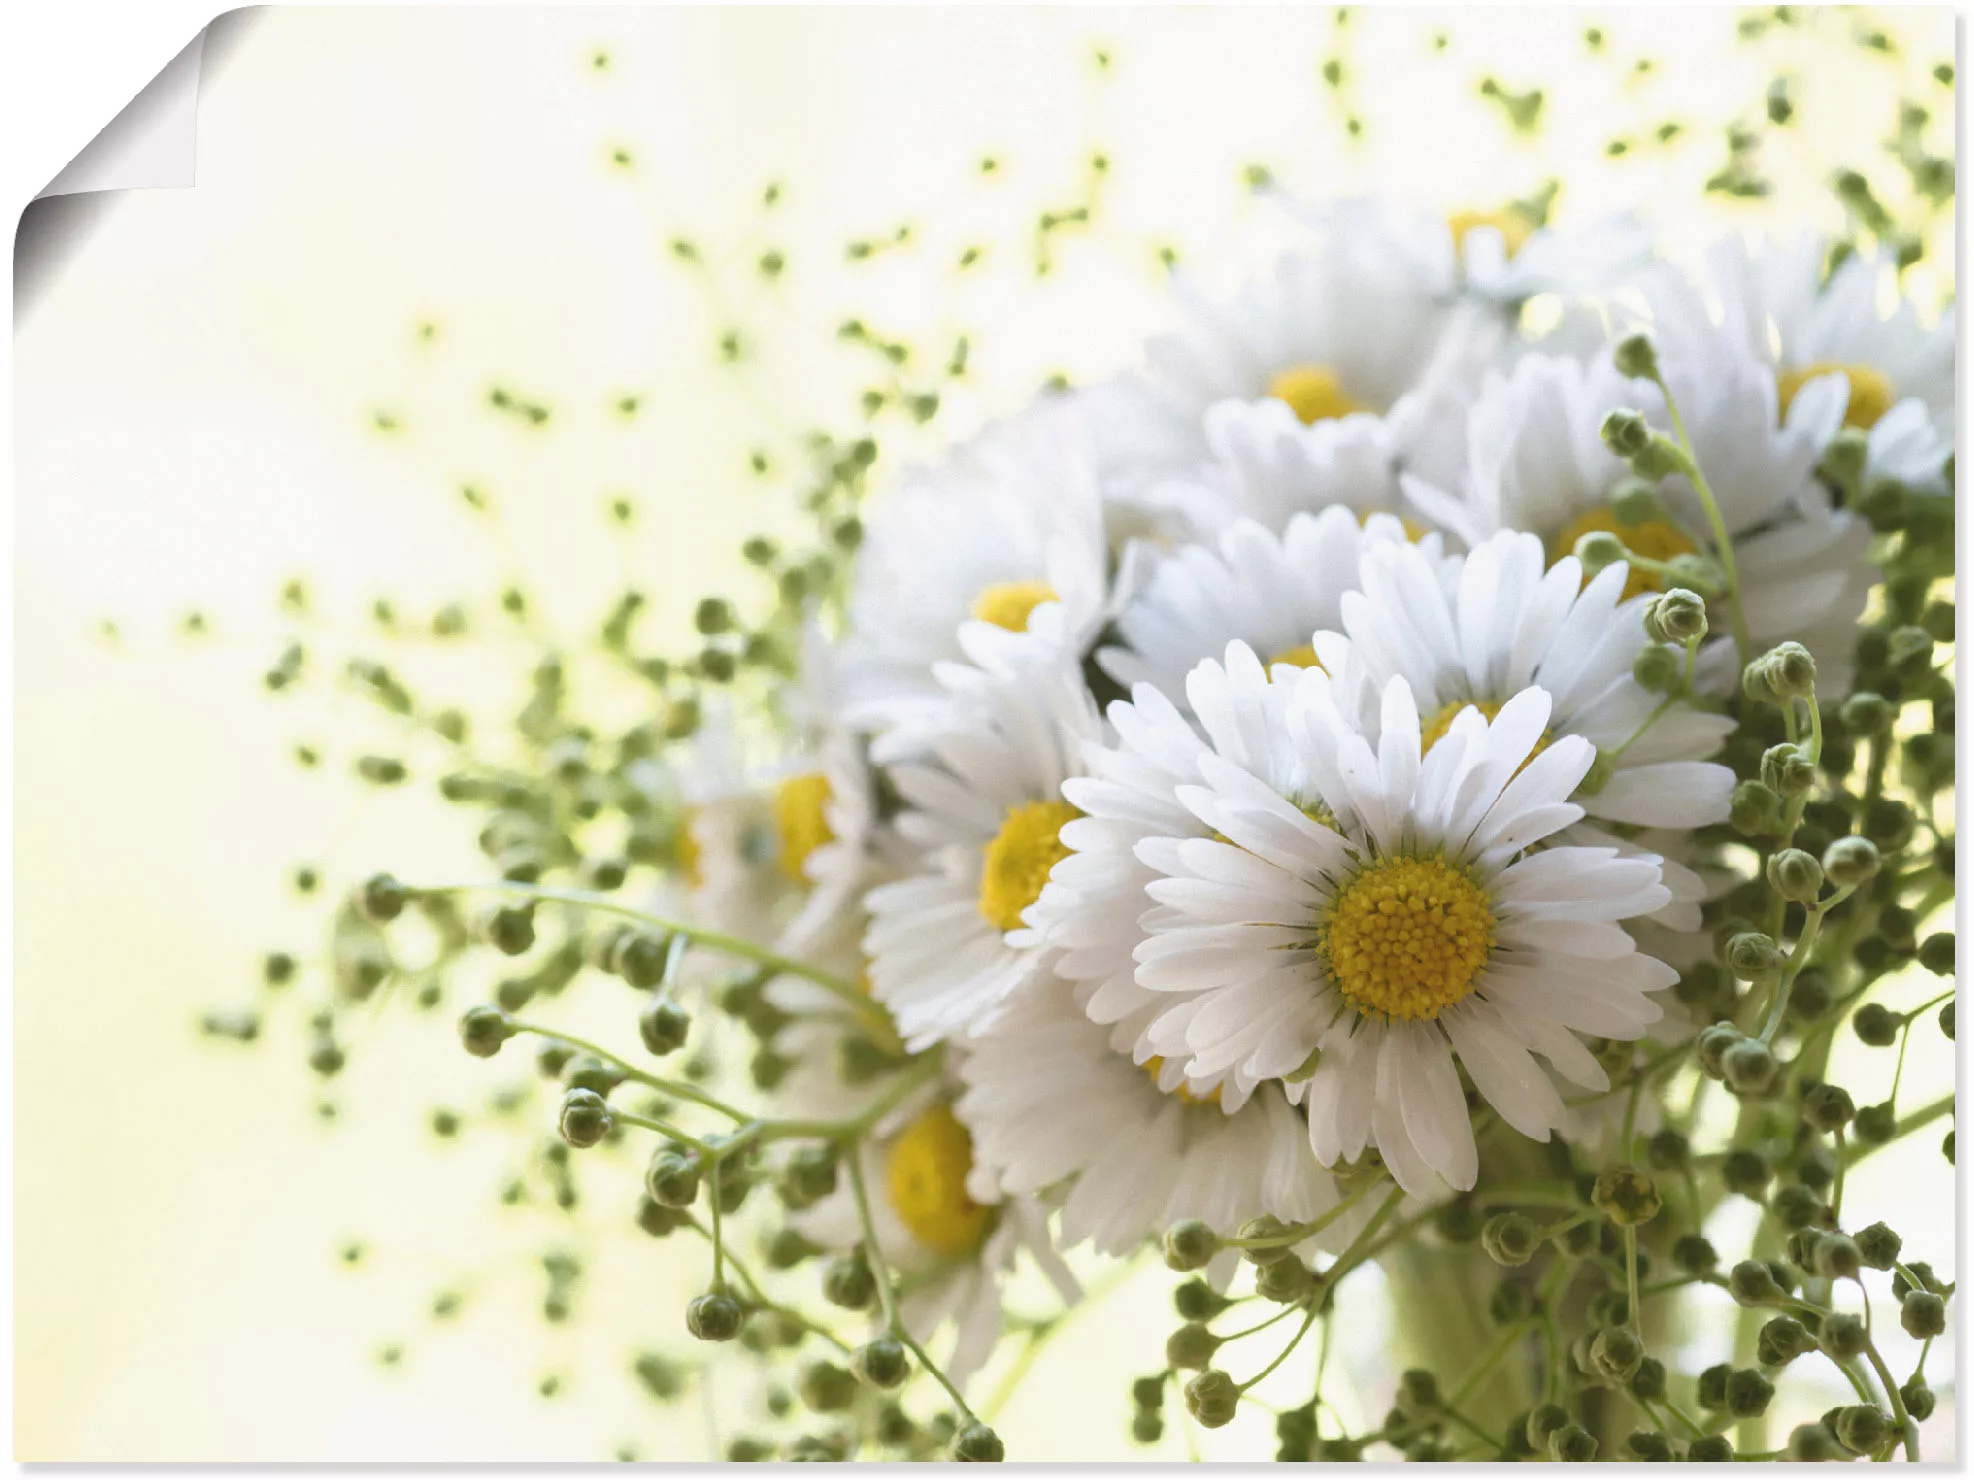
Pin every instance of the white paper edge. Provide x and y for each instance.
(152, 144)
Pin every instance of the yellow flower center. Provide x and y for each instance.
(1655, 539)
(1314, 393)
(1010, 603)
(1407, 937)
(801, 820)
(685, 849)
(1018, 861)
(1302, 655)
(1155, 1065)
(1514, 226)
(926, 1180)
(1871, 393)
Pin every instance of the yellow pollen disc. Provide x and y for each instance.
(1155, 1065)
(1314, 393)
(801, 820)
(685, 849)
(926, 1180)
(1302, 655)
(1018, 861)
(1514, 226)
(1010, 604)
(1871, 392)
(1655, 539)
(1406, 937)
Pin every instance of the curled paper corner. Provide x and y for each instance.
(151, 144)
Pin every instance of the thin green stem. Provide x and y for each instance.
(674, 1087)
(1710, 506)
(1296, 1233)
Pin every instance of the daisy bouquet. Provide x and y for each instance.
(1419, 778)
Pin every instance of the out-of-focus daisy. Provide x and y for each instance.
(953, 1253)
(984, 807)
(1788, 315)
(1536, 463)
(1053, 1096)
(1266, 590)
(1005, 525)
(1508, 620)
(1363, 916)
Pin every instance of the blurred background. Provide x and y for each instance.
(523, 251)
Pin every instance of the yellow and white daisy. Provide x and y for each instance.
(1360, 916)
(949, 943)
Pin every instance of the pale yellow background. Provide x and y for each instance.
(196, 424)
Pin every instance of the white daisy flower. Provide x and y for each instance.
(1053, 1097)
(951, 942)
(1266, 590)
(1006, 524)
(952, 1253)
(1503, 623)
(1536, 462)
(1359, 917)
(1783, 311)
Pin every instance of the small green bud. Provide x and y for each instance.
(1148, 1392)
(1918, 1398)
(1752, 954)
(1679, 616)
(1147, 1426)
(848, 1282)
(1543, 1421)
(1848, 862)
(1191, 1347)
(1827, 1107)
(807, 1177)
(1713, 1044)
(1810, 1443)
(1760, 685)
(1843, 1335)
(883, 1363)
(1668, 1150)
(1755, 810)
(1936, 953)
(825, 1387)
(1286, 1282)
(1795, 875)
(1877, 1025)
(585, 1118)
(1626, 1196)
(978, 1444)
(1711, 1387)
(1649, 1446)
(788, 1248)
(1946, 1021)
(714, 1317)
(1920, 1270)
(1625, 433)
(663, 1025)
(1418, 1392)
(1783, 1340)
(1836, 1257)
(1843, 459)
(1863, 1428)
(1510, 1239)
(1711, 1449)
(1598, 549)
(672, 1178)
(1865, 713)
(1749, 1068)
(1636, 358)
(1796, 1207)
(1267, 1226)
(1694, 1254)
(1190, 1245)
(1746, 1171)
(1615, 1354)
(383, 898)
(510, 929)
(1792, 670)
(484, 1029)
(1572, 1444)
(638, 956)
(1196, 1300)
(1211, 1398)
(1752, 1282)
(1634, 501)
(1748, 1393)
(1510, 1302)
(1923, 1314)
(1649, 1381)
(1657, 668)
(1879, 1246)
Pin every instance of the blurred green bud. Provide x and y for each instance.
(1843, 1335)
(1877, 1025)
(716, 1316)
(1862, 1428)
(1783, 1340)
(1795, 875)
(883, 1362)
(382, 898)
(1191, 1347)
(1679, 616)
(848, 1282)
(663, 1025)
(1149, 1391)
(1625, 433)
(585, 1118)
(1746, 1171)
(1748, 1393)
(1147, 1426)
(1649, 1381)
(484, 1029)
(1543, 1421)
(1849, 862)
(1923, 1314)
(1626, 1196)
(1827, 1107)
(672, 1178)
(1510, 1239)
(1510, 1302)
(1694, 1254)
(1267, 1226)
(1657, 668)
(1796, 1207)
(1211, 1398)
(1749, 1068)
(1879, 1246)
(1918, 1398)
(1752, 954)
(1755, 810)
(1598, 549)
(1713, 1044)
(1573, 1445)
(1190, 1245)
(1196, 1300)
(1836, 1257)
(1792, 670)
(1712, 1449)
(1286, 1282)
(1865, 713)
(825, 1387)
(1752, 1282)
(1636, 358)
(1649, 1446)
(1615, 1354)
(1936, 953)
(1811, 1443)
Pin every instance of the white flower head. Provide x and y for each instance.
(1359, 916)
(1272, 592)
(1054, 1097)
(1506, 620)
(1005, 526)
(949, 943)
